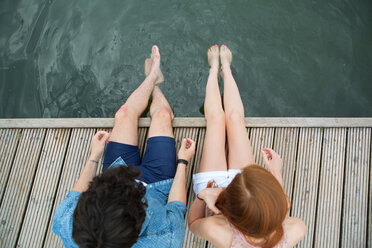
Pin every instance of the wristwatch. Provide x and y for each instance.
(182, 161)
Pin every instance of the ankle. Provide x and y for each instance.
(225, 65)
(213, 69)
(152, 76)
(225, 68)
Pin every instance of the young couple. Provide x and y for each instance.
(142, 203)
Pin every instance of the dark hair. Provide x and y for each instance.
(255, 204)
(111, 212)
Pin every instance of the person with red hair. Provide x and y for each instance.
(239, 203)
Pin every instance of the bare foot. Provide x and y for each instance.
(226, 55)
(213, 54)
(152, 65)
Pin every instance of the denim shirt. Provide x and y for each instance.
(164, 225)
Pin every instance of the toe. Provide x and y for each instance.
(155, 49)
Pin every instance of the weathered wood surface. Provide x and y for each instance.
(39, 208)
(285, 144)
(369, 223)
(328, 218)
(76, 156)
(355, 206)
(8, 146)
(305, 192)
(187, 122)
(261, 138)
(19, 185)
(326, 174)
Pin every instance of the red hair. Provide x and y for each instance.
(256, 205)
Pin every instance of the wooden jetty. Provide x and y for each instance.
(327, 173)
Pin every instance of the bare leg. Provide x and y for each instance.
(240, 149)
(126, 118)
(161, 115)
(160, 110)
(213, 156)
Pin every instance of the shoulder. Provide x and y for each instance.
(295, 229)
(176, 206)
(63, 215)
(175, 212)
(215, 229)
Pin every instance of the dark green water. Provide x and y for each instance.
(67, 58)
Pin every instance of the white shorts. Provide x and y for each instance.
(222, 179)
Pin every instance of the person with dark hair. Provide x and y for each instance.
(238, 203)
(132, 203)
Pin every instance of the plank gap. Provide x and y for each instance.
(143, 145)
(272, 145)
(343, 186)
(318, 189)
(295, 171)
(369, 202)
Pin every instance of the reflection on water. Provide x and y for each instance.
(83, 58)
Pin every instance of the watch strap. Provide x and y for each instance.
(182, 161)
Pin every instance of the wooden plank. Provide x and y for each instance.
(285, 144)
(210, 245)
(261, 138)
(19, 185)
(9, 139)
(186, 122)
(328, 218)
(355, 207)
(369, 220)
(306, 180)
(142, 137)
(77, 154)
(43, 190)
(190, 239)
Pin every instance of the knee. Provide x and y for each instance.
(234, 116)
(124, 113)
(162, 113)
(215, 116)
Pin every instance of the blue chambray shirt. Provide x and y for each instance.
(164, 225)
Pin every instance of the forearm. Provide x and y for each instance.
(197, 211)
(86, 175)
(178, 189)
(278, 176)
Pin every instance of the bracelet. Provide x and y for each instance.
(182, 161)
(197, 196)
(94, 161)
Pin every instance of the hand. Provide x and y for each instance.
(97, 145)
(210, 195)
(187, 149)
(272, 160)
